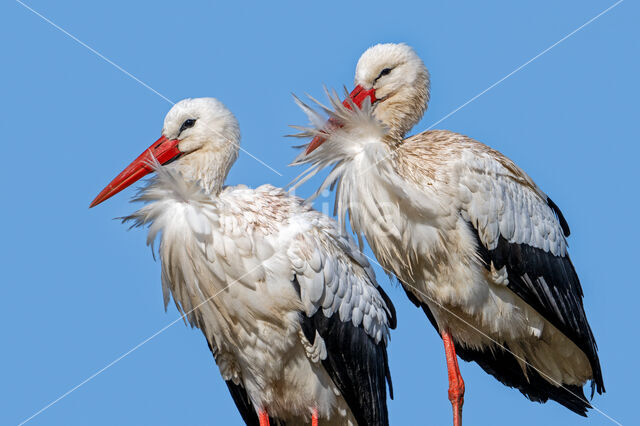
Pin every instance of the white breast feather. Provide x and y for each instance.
(242, 236)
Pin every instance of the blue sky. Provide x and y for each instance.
(79, 291)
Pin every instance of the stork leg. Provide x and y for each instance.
(456, 384)
(263, 417)
(314, 417)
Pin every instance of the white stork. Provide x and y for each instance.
(290, 308)
(474, 242)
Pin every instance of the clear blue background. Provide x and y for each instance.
(78, 290)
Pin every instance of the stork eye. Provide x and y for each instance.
(384, 72)
(187, 124)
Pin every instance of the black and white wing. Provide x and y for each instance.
(346, 320)
(519, 228)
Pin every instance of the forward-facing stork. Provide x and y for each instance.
(470, 236)
(290, 308)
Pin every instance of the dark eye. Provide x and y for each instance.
(187, 124)
(384, 72)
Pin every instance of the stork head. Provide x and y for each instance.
(200, 138)
(396, 81)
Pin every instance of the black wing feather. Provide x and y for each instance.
(244, 404)
(502, 365)
(356, 363)
(550, 285)
(563, 222)
(393, 320)
(245, 407)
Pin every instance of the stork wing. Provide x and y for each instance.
(519, 228)
(346, 321)
(499, 199)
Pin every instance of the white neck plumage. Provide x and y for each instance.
(206, 167)
(402, 111)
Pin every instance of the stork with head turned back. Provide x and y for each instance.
(474, 242)
(290, 308)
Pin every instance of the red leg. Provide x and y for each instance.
(456, 384)
(263, 417)
(314, 417)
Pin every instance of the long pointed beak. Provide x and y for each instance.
(357, 96)
(163, 150)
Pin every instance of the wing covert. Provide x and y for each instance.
(499, 199)
(350, 314)
(335, 278)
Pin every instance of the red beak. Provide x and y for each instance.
(163, 150)
(358, 95)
